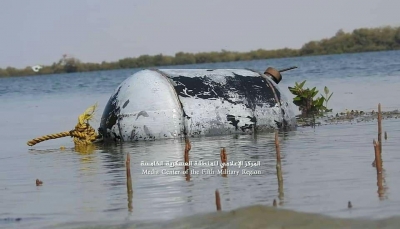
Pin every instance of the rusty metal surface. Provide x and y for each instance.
(169, 103)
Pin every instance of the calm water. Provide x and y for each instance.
(323, 169)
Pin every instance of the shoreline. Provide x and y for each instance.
(360, 40)
(161, 66)
(253, 216)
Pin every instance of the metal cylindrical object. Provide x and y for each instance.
(170, 103)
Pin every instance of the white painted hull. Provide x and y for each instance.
(169, 103)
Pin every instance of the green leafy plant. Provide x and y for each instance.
(308, 104)
(327, 97)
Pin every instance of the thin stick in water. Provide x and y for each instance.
(129, 181)
(378, 161)
(277, 148)
(188, 147)
(223, 155)
(381, 189)
(217, 200)
(224, 161)
(380, 127)
(279, 166)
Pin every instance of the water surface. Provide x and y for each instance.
(323, 168)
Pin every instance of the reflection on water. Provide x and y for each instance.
(174, 192)
(317, 177)
(279, 169)
(129, 188)
(382, 188)
(323, 169)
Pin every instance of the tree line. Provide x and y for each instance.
(359, 40)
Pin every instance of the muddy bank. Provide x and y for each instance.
(252, 217)
(349, 116)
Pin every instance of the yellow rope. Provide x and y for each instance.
(83, 133)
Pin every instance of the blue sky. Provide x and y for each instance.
(41, 31)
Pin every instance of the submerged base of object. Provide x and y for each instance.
(172, 103)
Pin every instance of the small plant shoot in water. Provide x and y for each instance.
(306, 101)
(327, 97)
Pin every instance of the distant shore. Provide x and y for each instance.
(359, 40)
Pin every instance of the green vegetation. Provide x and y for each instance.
(360, 40)
(306, 101)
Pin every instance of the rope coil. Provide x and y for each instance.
(83, 133)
